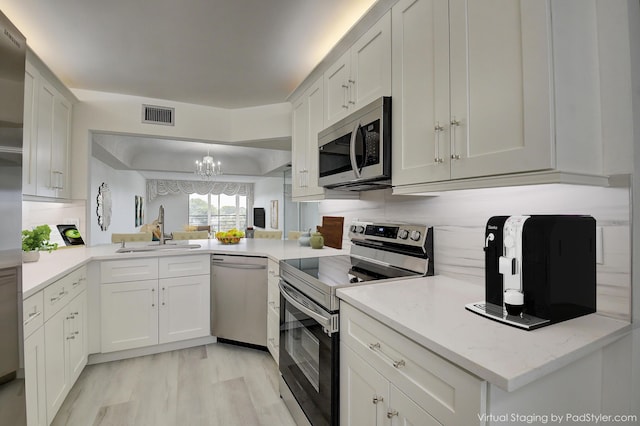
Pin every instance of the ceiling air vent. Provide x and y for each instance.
(152, 114)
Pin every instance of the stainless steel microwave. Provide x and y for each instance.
(355, 153)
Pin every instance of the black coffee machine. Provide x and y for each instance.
(539, 269)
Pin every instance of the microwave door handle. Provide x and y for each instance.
(352, 150)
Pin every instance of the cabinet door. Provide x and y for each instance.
(315, 103)
(60, 147)
(56, 333)
(299, 146)
(184, 308)
(34, 378)
(46, 102)
(273, 334)
(336, 90)
(420, 91)
(406, 411)
(363, 391)
(370, 75)
(500, 87)
(77, 339)
(30, 130)
(129, 315)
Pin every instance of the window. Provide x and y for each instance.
(222, 212)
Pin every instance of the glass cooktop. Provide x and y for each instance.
(342, 270)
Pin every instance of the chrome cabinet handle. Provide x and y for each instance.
(32, 316)
(439, 129)
(153, 297)
(454, 123)
(377, 399)
(376, 347)
(345, 95)
(350, 91)
(391, 414)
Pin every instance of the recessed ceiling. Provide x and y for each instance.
(147, 154)
(223, 53)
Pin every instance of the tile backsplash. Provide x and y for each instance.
(459, 219)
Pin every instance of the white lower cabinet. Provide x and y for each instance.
(129, 315)
(370, 399)
(65, 352)
(145, 312)
(386, 378)
(55, 345)
(184, 308)
(273, 309)
(34, 378)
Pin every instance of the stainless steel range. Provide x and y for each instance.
(309, 309)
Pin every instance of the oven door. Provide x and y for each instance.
(309, 363)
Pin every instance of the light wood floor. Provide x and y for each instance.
(217, 384)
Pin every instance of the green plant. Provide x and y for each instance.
(38, 239)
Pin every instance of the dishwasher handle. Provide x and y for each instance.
(238, 265)
(329, 322)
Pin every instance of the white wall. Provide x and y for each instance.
(459, 219)
(124, 186)
(265, 190)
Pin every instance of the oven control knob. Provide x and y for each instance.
(353, 228)
(415, 235)
(359, 229)
(403, 234)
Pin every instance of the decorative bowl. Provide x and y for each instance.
(228, 240)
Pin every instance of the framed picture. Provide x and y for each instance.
(274, 214)
(139, 211)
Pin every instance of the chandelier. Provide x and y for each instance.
(207, 167)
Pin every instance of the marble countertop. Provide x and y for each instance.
(431, 312)
(53, 266)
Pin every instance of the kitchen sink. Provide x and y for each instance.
(158, 247)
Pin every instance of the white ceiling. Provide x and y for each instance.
(223, 53)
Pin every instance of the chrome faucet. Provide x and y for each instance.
(161, 223)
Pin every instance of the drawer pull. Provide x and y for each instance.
(71, 337)
(396, 364)
(32, 316)
(391, 414)
(377, 399)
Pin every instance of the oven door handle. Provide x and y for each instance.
(329, 323)
(352, 150)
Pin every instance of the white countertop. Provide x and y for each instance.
(53, 266)
(431, 312)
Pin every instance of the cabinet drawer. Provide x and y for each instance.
(182, 266)
(33, 313)
(447, 392)
(58, 294)
(118, 271)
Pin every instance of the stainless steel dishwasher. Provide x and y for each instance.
(239, 299)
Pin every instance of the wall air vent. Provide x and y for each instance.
(152, 114)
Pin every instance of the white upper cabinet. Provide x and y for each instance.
(420, 100)
(307, 123)
(46, 137)
(500, 85)
(361, 75)
(473, 95)
(471, 89)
